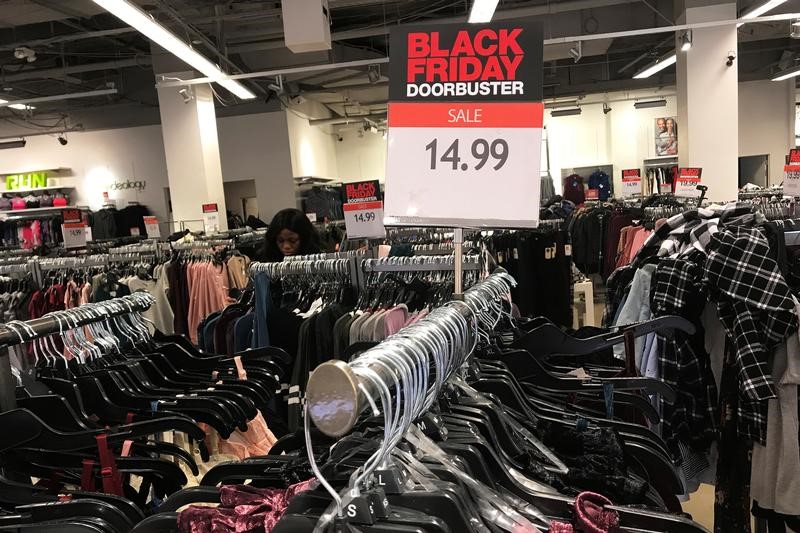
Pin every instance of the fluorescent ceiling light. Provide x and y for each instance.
(135, 17)
(21, 107)
(786, 74)
(565, 112)
(651, 103)
(482, 10)
(759, 10)
(12, 144)
(660, 65)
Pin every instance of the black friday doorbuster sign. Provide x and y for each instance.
(465, 125)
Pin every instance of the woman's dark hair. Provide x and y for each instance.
(293, 220)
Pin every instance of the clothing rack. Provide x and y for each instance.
(18, 332)
(338, 392)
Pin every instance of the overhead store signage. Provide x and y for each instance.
(687, 182)
(363, 210)
(29, 180)
(631, 182)
(210, 218)
(791, 179)
(465, 125)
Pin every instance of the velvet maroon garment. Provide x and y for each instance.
(590, 516)
(243, 509)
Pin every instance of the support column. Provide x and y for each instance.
(189, 128)
(708, 107)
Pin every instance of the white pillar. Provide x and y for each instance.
(708, 107)
(189, 129)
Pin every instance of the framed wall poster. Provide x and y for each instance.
(666, 136)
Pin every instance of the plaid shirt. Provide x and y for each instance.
(757, 311)
(677, 289)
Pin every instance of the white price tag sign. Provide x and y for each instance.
(210, 218)
(152, 227)
(74, 234)
(631, 183)
(791, 178)
(464, 165)
(687, 182)
(364, 220)
(312, 217)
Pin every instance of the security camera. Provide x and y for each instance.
(606, 109)
(731, 57)
(62, 140)
(339, 138)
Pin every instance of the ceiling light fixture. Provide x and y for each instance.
(650, 103)
(12, 144)
(686, 41)
(138, 19)
(482, 11)
(786, 74)
(794, 29)
(760, 9)
(565, 112)
(658, 66)
(606, 109)
(21, 107)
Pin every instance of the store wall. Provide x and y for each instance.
(361, 158)
(313, 148)
(235, 191)
(257, 147)
(127, 163)
(624, 137)
(251, 147)
(766, 122)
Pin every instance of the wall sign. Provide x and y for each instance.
(631, 182)
(210, 218)
(137, 185)
(72, 215)
(791, 179)
(29, 180)
(465, 125)
(592, 194)
(363, 210)
(687, 182)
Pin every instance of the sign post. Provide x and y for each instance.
(363, 210)
(791, 180)
(687, 182)
(631, 182)
(465, 126)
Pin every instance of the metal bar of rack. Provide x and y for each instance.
(336, 395)
(420, 263)
(12, 335)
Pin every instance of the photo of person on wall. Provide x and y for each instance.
(666, 136)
